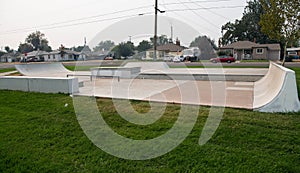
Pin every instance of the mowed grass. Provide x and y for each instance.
(7, 70)
(40, 133)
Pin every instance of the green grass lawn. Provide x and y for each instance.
(7, 70)
(40, 134)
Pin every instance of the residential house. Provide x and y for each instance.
(250, 50)
(35, 56)
(56, 55)
(10, 57)
(166, 50)
(87, 54)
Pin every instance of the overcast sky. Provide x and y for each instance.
(67, 22)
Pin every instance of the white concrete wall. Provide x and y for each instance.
(40, 84)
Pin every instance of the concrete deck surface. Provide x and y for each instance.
(217, 93)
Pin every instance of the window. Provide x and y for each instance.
(259, 51)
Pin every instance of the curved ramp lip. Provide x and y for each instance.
(286, 97)
(41, 68)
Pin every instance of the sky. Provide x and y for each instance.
(69, 22)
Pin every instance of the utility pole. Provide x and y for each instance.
(155, 32)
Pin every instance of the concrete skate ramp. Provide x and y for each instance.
(277, 91)
(43, 69)
(148, 66)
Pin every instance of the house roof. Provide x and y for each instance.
(169, 47)
(37, 53)
(241, 45)
(272, 46)
(250, 45)
(11, 54)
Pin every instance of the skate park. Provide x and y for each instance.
(265, 90)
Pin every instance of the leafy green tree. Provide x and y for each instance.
(143, 46)
(25, 48)
(78, 48)
(248, 27)
(104, 45)
(124, 49)
(7, 49)
(281, 21)
(161, 40)
(37, 40)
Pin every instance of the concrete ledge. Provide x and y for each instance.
(40, 84)
(123, 72)
(277, 91)
(202, 77)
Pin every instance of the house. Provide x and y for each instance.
(56, 55)
(166, 50)
(250, 50)
(10, 57)
(87, 54)
(35, 55)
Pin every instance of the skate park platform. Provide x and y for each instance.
(272, 90)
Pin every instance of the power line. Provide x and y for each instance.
(205, 8)
(185, 18)
(79, 19)
(210, 10)
(81, 23)
(198, 15)
(63, 24)
(179, 3)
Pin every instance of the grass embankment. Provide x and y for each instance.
(40, 134)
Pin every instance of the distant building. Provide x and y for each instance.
(165, 51)
(87, 54)
(10, 57)
(56, 55)
(35, 56)
(250, 50)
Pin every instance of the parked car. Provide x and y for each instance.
(224, 58)
(176, 59)
(168, 58)
(108, 58)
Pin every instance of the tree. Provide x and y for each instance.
(37, 40)
(281, 21)
(25, 48)
(78, 48)
(248, 28)
(7, 49)
(123, 49)
(161, 40)
(104, 45)
(206, 46)
(143, 46)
